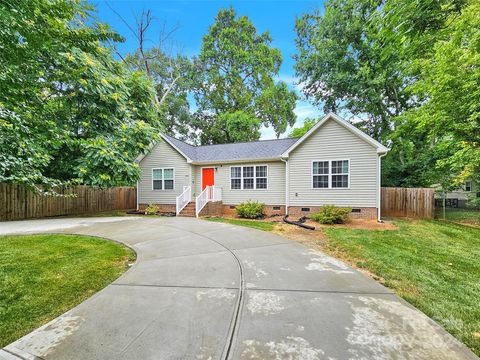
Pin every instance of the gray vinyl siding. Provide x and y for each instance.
(162, 156)
(273, 195)
(334, 142)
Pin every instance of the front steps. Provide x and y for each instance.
(189, 210)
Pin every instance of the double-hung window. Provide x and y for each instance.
(468, 185)
(163, 179)
(320, 174)
(330, 174)
(248, 177)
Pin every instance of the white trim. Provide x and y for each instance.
(138, 208)
(380, 148)
(287, 174)
(329, 187)
(201, 175)
(163, 178)
(254, 177)
(379, 187)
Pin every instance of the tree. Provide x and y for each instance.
(69, 112)
(234, 72)
(308, 123)
(440, 39)
(170, 73)
(345, 64)
(340, 64)
(172, 80)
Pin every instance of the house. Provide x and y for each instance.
(459, 197)
(333, 164)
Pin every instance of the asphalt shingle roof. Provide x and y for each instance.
(264, 149)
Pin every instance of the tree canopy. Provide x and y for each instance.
(235, 73)
(69, 112)
(400, 67)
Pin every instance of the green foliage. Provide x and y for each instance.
(431, 264)
(250, 209)
(448, 77)
(230, 127)
(409, 69)
(69, 112)
(152, 209)
(330, 214)
(235, 72)
(171, 76)
(300, 131)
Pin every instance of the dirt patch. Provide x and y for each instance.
(318, 240)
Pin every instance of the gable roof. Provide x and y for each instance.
(381, 149)
(253, 150)
(256, 150)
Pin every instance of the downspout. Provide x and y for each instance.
(286, 185)
(137, 198)
(379, 181)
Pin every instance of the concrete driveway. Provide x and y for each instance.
(204, 290)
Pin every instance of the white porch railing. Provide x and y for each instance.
(183, 199)
(210, 193)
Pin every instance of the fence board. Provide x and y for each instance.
(408, 202)
(17, 202)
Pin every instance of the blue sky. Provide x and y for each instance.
(195, 17)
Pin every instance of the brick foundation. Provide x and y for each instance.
(218, 209)
(365, 213)
(269, 210)
(212, 209)
(162, 207)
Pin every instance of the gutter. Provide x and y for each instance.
(379, 181)
(286, 184)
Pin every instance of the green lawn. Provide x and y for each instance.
(42, 276)
(434, 265)
(256, 224)
(466, 216)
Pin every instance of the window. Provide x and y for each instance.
(261, 177)
(163, 179)
(468, 186)
(340, 174)
(330, 174)
(320, 174)
(248, 177)
(236, 177)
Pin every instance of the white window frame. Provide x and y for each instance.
(330, 174)
(254, 176)
(163, 178)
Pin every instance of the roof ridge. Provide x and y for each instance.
(234, 143)
(247, 142)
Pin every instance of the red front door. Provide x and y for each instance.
(208, 177)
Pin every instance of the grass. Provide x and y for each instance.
(434, 265)
(256, 224)
(464, 216)
(42, 276)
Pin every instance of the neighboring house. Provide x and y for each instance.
(333, 164)
(459, 197)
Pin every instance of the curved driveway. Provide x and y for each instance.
(204, 290)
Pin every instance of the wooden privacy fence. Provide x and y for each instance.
(408, 202)
(17, 202)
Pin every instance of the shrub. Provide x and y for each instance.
(250, 209)
(152, 209)
(330, 214)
